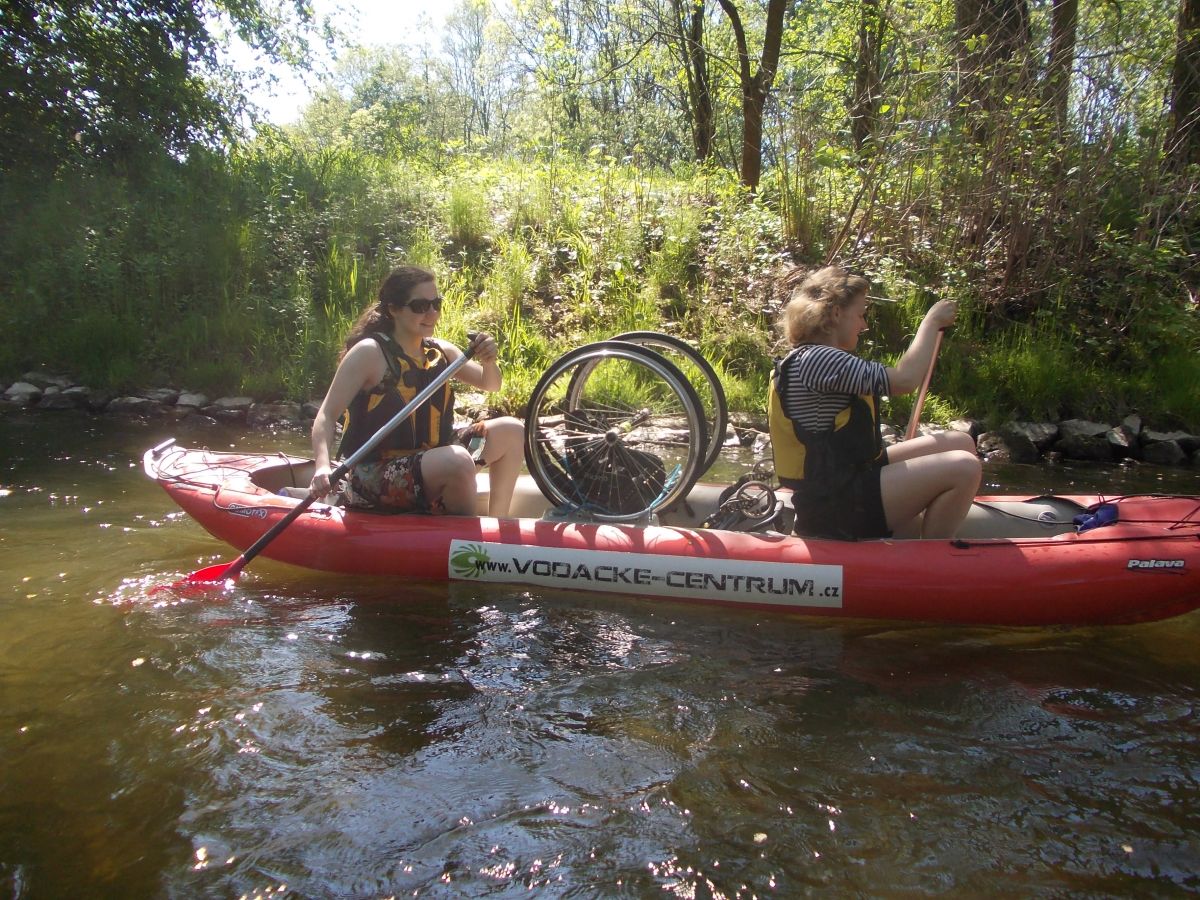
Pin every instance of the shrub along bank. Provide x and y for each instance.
(239, 276)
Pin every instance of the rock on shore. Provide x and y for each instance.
(1020, 442)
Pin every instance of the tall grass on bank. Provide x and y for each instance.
(242, 275)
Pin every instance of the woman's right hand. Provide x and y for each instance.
(320, 485)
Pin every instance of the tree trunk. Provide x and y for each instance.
(1064, 21)
(689, 29)
(756, 86)
(868, 82)
(1183, 139)
(993, 38)
(705, 128)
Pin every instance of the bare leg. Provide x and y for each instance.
(449, 473)
(942, 485)
(929, 444)
(503, 451)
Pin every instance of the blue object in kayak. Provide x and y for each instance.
(1096, 517)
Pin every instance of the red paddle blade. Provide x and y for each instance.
(219, 572)
(210, 575)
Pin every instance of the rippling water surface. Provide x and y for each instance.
(306, 735)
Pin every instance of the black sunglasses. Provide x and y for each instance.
(423, 306)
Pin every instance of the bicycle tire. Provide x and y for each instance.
(589, 448)
(717, 417)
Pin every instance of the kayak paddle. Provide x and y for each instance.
(913, 422)
(225, 571)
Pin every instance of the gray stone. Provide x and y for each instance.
(1084, 440)
(973, 427)
(238, 404)
(45, 380)
(166, 396)
(1073, 428)
(23, 393)
(98, 400)
(229, 409)
(1018, 446)
(1133, 423)
(71, 398)
(1189, 442)
(1091, 447)
(189, 398)
(1164, 453)
(1123, 443)
(1151, 436)
(309, 410)
(273, 413)
(1040, 434)
(925, 429)
(137, 406)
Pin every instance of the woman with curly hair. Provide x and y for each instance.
(824, 421)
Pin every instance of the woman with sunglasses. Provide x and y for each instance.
(824, 419)
(389, 356)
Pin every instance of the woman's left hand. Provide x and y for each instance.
(486, 350)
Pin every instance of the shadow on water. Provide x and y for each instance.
(306, 735)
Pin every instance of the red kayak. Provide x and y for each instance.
(1017, 560)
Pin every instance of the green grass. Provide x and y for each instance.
(245, 277)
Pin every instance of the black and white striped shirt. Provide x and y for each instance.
(821, 380)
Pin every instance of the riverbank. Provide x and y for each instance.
(1128, 441)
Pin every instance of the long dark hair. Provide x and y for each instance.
(396, 290)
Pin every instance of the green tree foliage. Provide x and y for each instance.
(575, 165)
(374, 102)
(110, 79)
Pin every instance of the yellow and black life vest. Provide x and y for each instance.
(809, 461)
(432, 425)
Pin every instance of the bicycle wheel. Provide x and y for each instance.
(700, 375)
(622, 442)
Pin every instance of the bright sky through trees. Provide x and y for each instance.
(366, 22)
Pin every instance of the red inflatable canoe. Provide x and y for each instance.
(1017, 561)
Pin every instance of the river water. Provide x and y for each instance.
(305, 735)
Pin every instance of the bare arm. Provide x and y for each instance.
(362, 368)
(908, 373)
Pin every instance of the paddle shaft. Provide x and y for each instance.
(337, 474)
(915, 420)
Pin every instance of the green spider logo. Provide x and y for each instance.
(468, 561)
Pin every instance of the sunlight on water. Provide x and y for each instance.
(301, 734)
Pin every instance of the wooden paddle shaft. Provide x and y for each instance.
(915, 420)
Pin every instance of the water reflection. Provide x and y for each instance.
(307, 735)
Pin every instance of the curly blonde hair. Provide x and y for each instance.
(808, 315)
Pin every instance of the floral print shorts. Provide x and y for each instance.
(390, 485)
